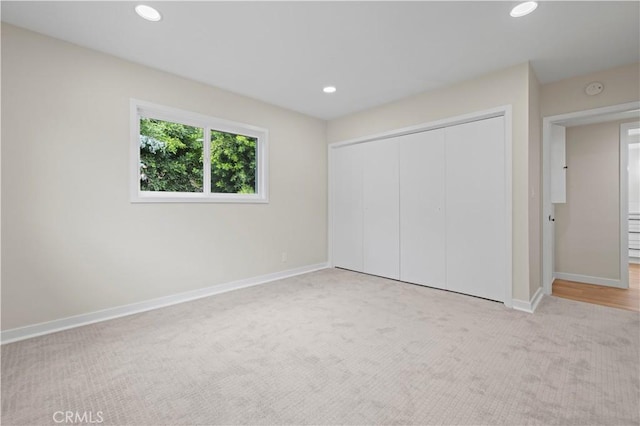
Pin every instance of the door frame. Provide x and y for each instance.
(625, 142)
(500, 111)
(548, 209)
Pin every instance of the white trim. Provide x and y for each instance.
(589, 280)
(206, 153)
(548, 211)
(431, 125)
(529, 306)
(22, 333)
(506, 112)
(508, 157)
(195, 197)
(189, 118)
(565, 119)
(537, 297)
(195, 119)
(548, 242)
(134, 150)
(330, 182)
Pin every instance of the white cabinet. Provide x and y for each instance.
(475, 208)
(428, 208)
(422, 214)
(558, 193)
(380, 214)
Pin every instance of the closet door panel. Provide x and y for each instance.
(475, 208)
(422, 209)
(381, 210)
(347, 207)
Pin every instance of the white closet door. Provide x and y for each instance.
(422, 209)
(381, 210)
(347, 207)
(475, 208)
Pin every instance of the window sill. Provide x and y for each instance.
(160, 197)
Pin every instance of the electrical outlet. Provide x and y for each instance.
(284, 256)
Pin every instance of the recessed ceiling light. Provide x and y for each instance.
(329, 89)
(148, 13)
(524, 9)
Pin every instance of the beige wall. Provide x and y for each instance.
(587, 227)
(72, 242)
(535, 186)
(506, 87)
(621, 85)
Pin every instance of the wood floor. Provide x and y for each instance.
(600, 295)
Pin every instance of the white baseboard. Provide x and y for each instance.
(529, 305)
(588, 280)
(635, 260)
(27, 332)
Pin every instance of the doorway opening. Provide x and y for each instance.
(622, 298)
(555, 199)
(630, 135)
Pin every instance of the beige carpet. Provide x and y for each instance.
(335, 347)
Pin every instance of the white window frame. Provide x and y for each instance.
(149, 110)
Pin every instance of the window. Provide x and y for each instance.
(179, 156)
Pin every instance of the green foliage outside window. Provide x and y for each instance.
(171, 159)
(233, 163)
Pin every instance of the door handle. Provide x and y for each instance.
(552, 219)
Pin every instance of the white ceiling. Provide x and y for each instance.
(374, 52)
